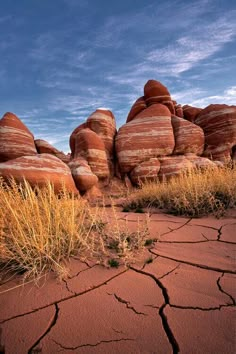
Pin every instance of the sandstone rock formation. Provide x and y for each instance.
(159, 140)
(190, 113)
(83, 176)
(15, 138)
(149, 135)
(38, 170)
(189, 138)
(219, 125)
(156, 92)
(43, 147)
(94, 141)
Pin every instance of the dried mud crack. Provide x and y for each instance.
(92, 345)
(166, 327)
(52, 324)
(127, 303)
(74, 295)
(202, 266)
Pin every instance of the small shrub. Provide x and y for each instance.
(113, 263)
(148, 242)
(149, 260)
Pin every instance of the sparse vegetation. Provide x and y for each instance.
(149, 260)
(40, 230)
(113, 263)
(197, 193)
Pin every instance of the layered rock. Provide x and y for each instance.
(138, 106)
(189, 138)
(38, 170)
(173, 166)
(73, 137)
(92, 148)
(190, 113)
(146, 171)
(15, 138)
(149, 135)
(43, 147)
(82, 174)
(201, 162)
(156, 92)
(219, 125)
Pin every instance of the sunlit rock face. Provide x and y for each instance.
(148, 135)
(83, 176)
(160, 139)
(43, 147)
(189, 138)
(218, 122)
(38, 170)
(15, 138)
(94, 141)
(146, 171)
(91, 147)
(138, 106)
(156, 92)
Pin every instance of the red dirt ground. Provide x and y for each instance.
(184, 301)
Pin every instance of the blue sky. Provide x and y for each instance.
(62, 59)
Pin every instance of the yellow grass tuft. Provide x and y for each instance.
(40, 230)
(195, 193)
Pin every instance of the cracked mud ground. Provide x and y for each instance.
(182, 302)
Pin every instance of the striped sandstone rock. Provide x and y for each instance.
(173, 166)
(73, 135)
(82, 174)
(190, 113)
(178, 110)
(38, 170)
(149, 135)
(92, 148)
(201, 162)
(15, 138)
(145, 171)
(156, 92)
(189, 138)
(43, 147)
(102, 122)
(138, 106)
(219, 124)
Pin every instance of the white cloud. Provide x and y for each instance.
(227, 97)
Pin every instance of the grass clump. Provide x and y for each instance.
(40, 231)
(195, 194)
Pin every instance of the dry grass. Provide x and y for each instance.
(40, 230)
(196, 193)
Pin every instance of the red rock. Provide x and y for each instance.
(188, 137)
(92, 148)
(156, 92)
(72, 137)
(138, 106)
(102, 122)
(178, 110)
(149, 135)
(219, 124)
(145, 171)
(201, 162)
(190, 113)
(43, 147)
(15, 138)
(173, 166)
(38, 170)
(82, 174)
